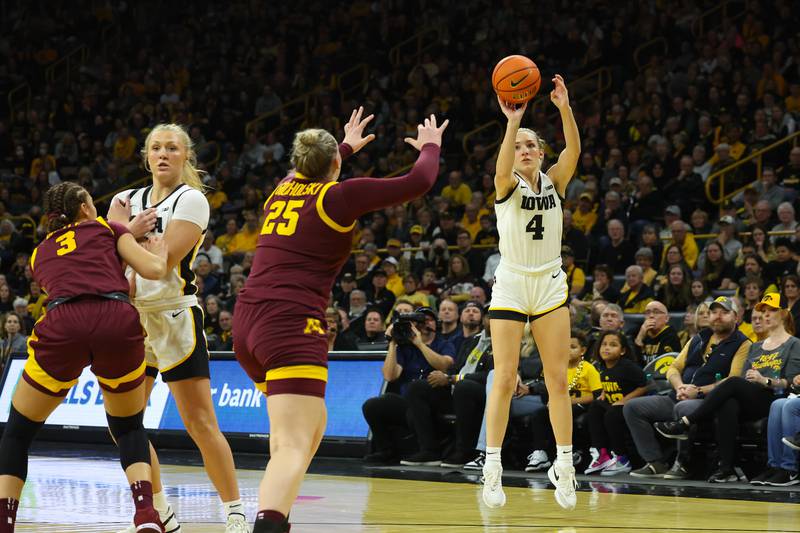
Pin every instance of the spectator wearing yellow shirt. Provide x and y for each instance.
(223, 242)
(793, 100)
(417, 298)
(585, 216)
(38, 163)
(215, 195)
(247, 238)
(471, 221)
(36, 299)
(638, 295)
(393, 280)
(684, 239)
(457, 191)
(124, 147)
(576, 277)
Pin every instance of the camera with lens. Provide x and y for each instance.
(402, 333)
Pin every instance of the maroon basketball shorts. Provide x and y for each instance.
(97, 332)
(282, 346)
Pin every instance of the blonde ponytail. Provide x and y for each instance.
(190, 174)
(313, 151)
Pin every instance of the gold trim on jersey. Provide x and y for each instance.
(103, 222)
(114, 383)
(262, 386)
(33, 257)
(39, 375)
(298, 371)
(324, 216)
(507, 309)
(540, 313)
(194, 344)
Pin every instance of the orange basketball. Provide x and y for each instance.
(516, 79)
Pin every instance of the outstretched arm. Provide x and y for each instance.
(348, 200)
(564, 168)
(504, 181)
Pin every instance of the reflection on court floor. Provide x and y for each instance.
(81, 495)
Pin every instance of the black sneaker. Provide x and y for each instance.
(457, 459)
(678, 471)
(673, 430)
(763, 476)
(384, 457)
(423, 458)
(792, 442)
(654, 469)
(782, 478)
(723, 476)
(477, 463)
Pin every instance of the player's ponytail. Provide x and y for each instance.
(62, 204)
(313, 151)
(190, 174)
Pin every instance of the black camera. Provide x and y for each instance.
(402, 332)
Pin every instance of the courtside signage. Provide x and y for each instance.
(239, 406)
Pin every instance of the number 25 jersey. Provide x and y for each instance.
(301, 249)
(530, 226)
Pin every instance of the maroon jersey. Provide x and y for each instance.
(80, 259)
(308, 226)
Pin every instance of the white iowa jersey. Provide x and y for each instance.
(177, 288)
(530, 226)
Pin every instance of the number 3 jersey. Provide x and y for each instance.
(301, 248)
(80, 259)
(530, 226)
(177, 288)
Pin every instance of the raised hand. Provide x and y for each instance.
(513, 112)
(428, 132)
(354, 130)
(559, 95)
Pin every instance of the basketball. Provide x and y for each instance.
(516, 79)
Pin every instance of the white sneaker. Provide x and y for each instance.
(563, 478)
(537, 461)
(619, 465)
(493, 495)
(237, 524)
(168, 520)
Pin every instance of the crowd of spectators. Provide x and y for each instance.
(643, 244)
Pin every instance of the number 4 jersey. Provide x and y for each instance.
(80, 259)
(530, 226)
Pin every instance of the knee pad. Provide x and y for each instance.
(131, 438)
(17, 438)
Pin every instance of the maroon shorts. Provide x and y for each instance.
(101, 333)
(282, 346)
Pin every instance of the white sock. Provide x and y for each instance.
(493, 456)
(160, 502)
(564, 455)
(234, 507)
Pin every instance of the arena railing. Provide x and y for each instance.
(352, 80)
(652, 44)
(757, 157)
(19, 97)
(111, 37)
(63, 67)
(304, 102)
(414, 46)
(211, 148)
(718, 14)
(596, 83)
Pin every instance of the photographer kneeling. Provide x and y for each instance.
(414, 352)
